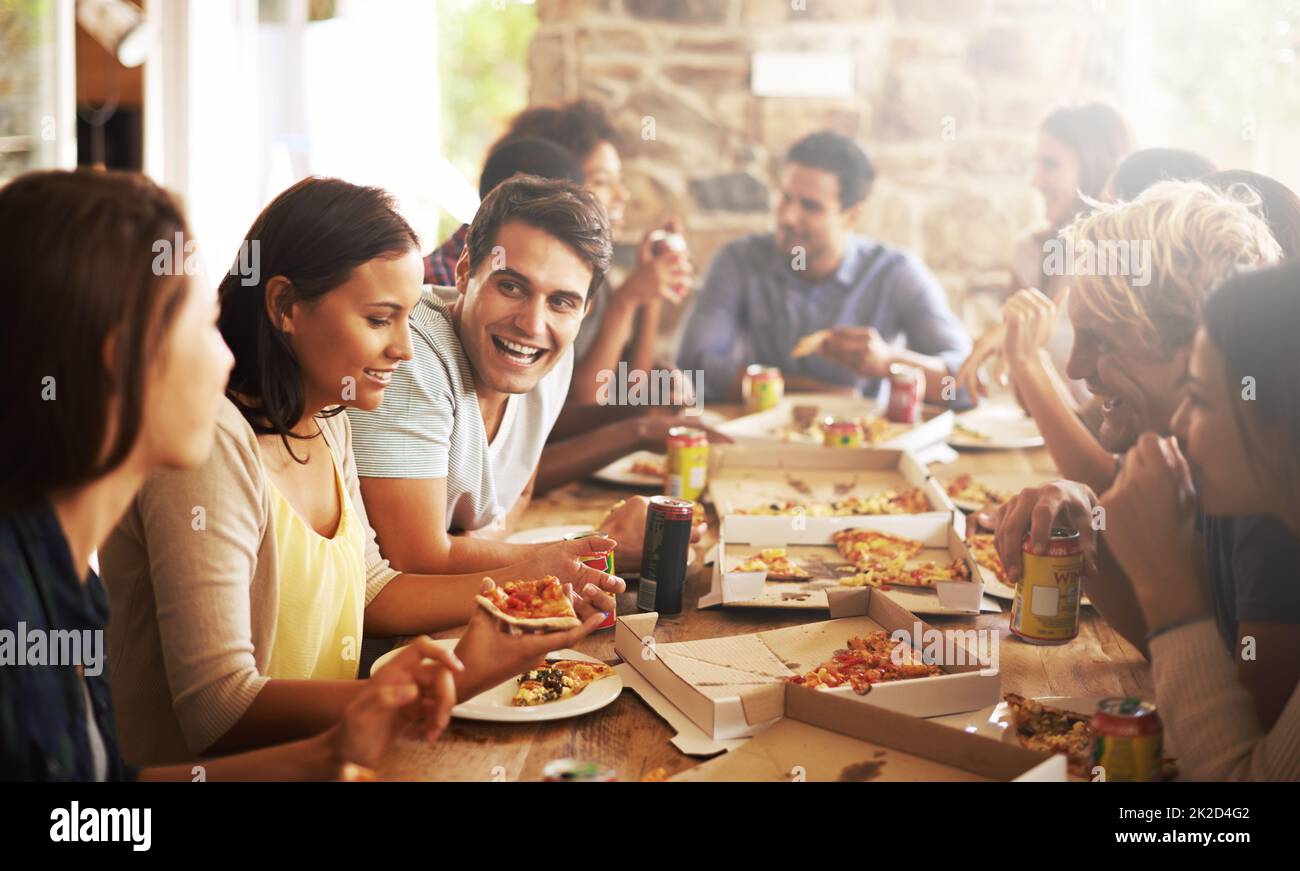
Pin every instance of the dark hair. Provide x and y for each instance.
(1097, 134)
(841, 156)
(578, 126)
(530, 155)
(570, 213)
(1253, 318)
(1145, 167)
(78, 252)
(314, 234)
(1278, 204)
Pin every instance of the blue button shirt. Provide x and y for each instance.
(754, 307)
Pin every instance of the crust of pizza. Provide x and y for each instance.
(563, 621)
(810, 344)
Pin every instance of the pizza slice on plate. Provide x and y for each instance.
(557, 679)
(536, 604)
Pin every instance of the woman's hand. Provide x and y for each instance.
(1030, 319)
(1150, 527)
(563, 559)
(493, 654)
(418, 683)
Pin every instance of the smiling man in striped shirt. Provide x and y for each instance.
(456, 444)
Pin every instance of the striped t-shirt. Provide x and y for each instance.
(430, 425)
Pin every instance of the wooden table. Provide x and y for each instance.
(630, 738)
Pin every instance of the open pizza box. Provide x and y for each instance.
(824, 737)
(784, 424)
(810, 545)
(744, 477)
(733, 687)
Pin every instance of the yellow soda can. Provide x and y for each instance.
(1046, 607)
(688, 463)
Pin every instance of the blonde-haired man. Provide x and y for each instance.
(1134, 316)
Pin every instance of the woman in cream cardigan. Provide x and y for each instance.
(1237, 448)
(134, 355)
(241, 589)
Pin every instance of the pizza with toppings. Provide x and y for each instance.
(910, 501)
(775, 562)
(863, 547)
(557, 679)
(1052, 730)
(882, 559)
(538, 604)
(966, 489)
(984, 549)
(647, 468)
(866, 661)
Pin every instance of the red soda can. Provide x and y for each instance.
(906, 393)
(601, 562)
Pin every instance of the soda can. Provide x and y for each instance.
(668, 523)
(601, 561)
(762, 388)
(1128, 740)
(841, 432)
(577, 771)
(688, 463)
(1046, 607)
(906, 393)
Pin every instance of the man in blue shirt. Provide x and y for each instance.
(764, 292)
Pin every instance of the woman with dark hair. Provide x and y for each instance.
(126, 378)
(242, 588)
(1078, 148)
(624, 320)
(1236, 450)
(1278, 204)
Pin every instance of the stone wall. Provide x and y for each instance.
(948, 96)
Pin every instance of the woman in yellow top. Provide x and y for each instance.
(240, 589)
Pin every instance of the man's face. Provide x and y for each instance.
(1139, 387)
(520, 309)
(808, 213)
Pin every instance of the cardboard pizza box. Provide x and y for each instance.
(777, 426)
(809, 542)
(824, 737)
(745, 476)
(733, 686)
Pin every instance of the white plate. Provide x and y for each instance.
(494, 705)
(620, 471)
(545, 534)
(1004, 432)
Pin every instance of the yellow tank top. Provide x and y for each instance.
(322, 593)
